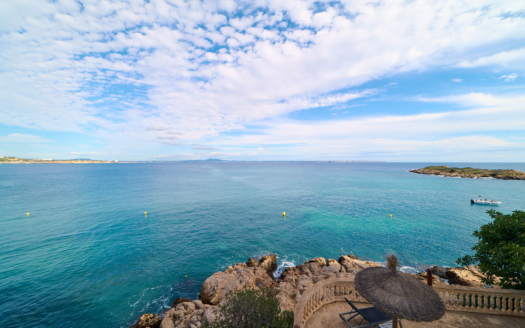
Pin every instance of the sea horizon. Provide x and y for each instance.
(103, 244)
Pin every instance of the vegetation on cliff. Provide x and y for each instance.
(252, 308)
(469, 172)
(500, 250)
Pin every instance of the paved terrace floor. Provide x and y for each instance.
(328, 317)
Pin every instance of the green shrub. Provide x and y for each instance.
(500, 250)
(252, 308)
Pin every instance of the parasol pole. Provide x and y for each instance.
(394, 321)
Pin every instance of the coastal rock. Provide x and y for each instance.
(149, 320)
(318, 261)
(353, 265)
(178, 301)
(333, 266)
(167, 321)
(287, 296)
(210, 315)
(198, 304)
(436, 282)
(188, 316)
(468, 276)
(233, 278)
(292, 283)
(252, 263)
(268, 262)
(440, 271)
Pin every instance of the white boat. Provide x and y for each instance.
(484, 201)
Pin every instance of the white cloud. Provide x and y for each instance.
(171, 156)
(60, 63)
(224, 154)
(510, 77)
(23, 138)
(85, 153)
(457, 80)
(403, 136)
(505, 58)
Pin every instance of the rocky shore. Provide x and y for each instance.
(186, 313)
(471, 173)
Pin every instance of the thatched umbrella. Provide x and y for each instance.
(399, 294)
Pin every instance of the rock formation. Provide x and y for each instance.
(291, 284)
(148, 320)
(467, 276)
(189, 315)
(233, 278)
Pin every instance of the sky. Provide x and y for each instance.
(412, 81)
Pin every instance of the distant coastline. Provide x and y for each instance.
(471, 173)
(16, 160)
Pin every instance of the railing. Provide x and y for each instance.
(479, 300)
(483, 300)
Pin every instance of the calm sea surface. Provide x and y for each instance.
(88, 257)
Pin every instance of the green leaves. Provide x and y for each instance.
(253, 308)
(500, 250)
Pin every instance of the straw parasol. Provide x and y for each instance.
(399, 294)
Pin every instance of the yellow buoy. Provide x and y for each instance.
(186, 277)
(27, 214)
(145, 213)
(390, 215)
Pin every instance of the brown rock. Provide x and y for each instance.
(333, 266)
(436, 282)
(353, 265)
(290, 275)
(268, 262)
(468, 276)
(149, 320)
(287, 296)
(167, 321)
(178, 301)
(440, 271)
(318, 261)
(233, 278)
(210, 314)
(252, 263)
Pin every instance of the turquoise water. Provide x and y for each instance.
(88, 257)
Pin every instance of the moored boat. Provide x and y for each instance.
(484, 201)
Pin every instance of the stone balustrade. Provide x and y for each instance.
(456, 298)
(483, 300)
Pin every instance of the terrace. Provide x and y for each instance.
(321, 304)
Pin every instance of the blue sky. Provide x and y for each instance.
(263, 80)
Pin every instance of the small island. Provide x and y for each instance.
(472, 173)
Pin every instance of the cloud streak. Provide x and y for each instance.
(19, 138)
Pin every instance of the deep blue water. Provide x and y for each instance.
(88, 257)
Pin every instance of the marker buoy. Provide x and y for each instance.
(185, 277)
(27, 214)
(284, 214)
(390, 215)
(145, 213)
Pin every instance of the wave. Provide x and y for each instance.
(409, 269)
(281, 267)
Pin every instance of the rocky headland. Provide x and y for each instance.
(471, 173)
(186, 313)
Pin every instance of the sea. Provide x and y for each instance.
(105, 243)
